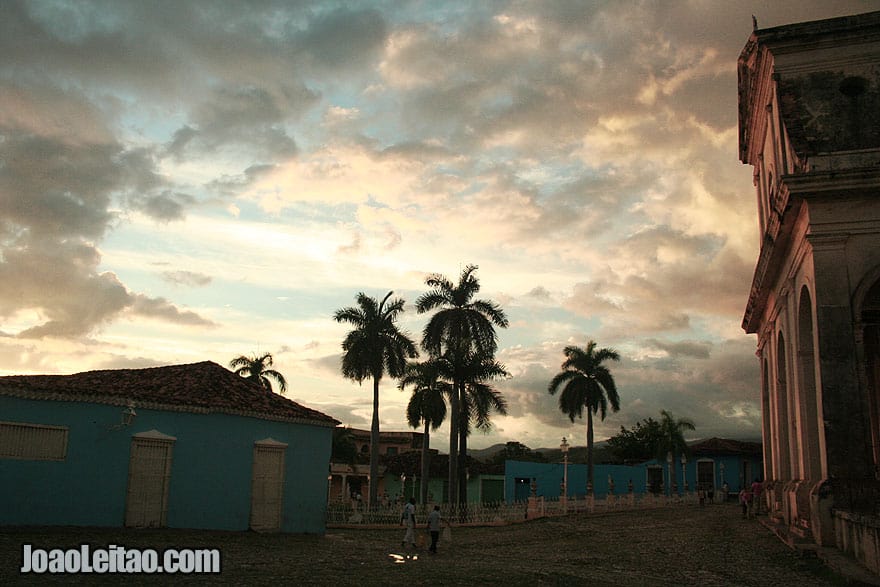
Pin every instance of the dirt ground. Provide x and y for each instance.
(705, 546)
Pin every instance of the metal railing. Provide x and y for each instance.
(497, 513)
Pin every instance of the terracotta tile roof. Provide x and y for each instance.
(198, 387)
(725, 446)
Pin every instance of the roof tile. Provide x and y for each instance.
(204, 386)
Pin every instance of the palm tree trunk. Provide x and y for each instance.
(462, 456)
(590, 448)
(426, 454)
(453, 445)
(374, 447)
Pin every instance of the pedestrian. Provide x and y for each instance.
(409, 520)
(757, 488)
(745, 500)
(434, 528)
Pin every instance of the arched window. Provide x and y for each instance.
(812, 436)
(782, 413)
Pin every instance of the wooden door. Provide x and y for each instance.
(267, 487)
(149, 474)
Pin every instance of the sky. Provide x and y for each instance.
(192, 181)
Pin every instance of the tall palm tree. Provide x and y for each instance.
(257, 369)
(427, 406)
(672, 440)
(375, 347)
(586, 383)
(477, 402)
(460, 325)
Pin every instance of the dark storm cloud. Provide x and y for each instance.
(699, 349)
(58, 181)
(165, 206)
(344, 38)
(163, 309)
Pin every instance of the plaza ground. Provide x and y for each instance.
(690, 545)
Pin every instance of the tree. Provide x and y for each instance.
(344, 450)
(427, 406)
(639, 444)
(373, 348)
(477, 403)
(461, 325)
(516, 451)
(585, 382)
(672, 435)
(257, 369)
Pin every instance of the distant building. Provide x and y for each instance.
(183, 446)
(350, 480)
(711, 464)
(809, 124)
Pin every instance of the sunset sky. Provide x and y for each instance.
(191, 181)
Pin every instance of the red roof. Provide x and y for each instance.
(198, 387)
(725, 446)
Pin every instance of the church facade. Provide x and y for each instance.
(809, 125)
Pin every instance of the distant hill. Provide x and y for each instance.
(576, 454)
(483, 454)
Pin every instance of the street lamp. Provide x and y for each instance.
(669, 470)
(684, 480)
(564, 448)
(403, 486)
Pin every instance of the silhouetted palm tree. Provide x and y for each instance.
(375, 347)
(460, 326)
(478, 401)
(427, 406)
(586, 383)
(257, 369)
(672, 442)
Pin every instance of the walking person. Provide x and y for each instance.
(409, 520)
(745, 500)
(757, 488)
(434, 528)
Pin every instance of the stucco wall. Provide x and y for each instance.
(549, 476)
(210, 485)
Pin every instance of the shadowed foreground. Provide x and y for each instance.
(676, 546)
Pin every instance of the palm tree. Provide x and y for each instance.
(427, 406)
(375, 347)
(672, 441)
(461, 325)
(257, 369)
(586, 383)
(477, 402)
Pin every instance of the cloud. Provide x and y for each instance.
(187, 278)
(584, 155)
(699, 349)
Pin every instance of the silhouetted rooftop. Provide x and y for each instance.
(204, 387)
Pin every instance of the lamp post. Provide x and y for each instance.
(564, 448)
(669, 470)
(684, 480)
(403, 487)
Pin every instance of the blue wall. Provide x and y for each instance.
(549, 476)
(210, 485)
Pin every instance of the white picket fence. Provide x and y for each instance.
(495, 513)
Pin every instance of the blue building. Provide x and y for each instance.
(182, 446)
(710, 465)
